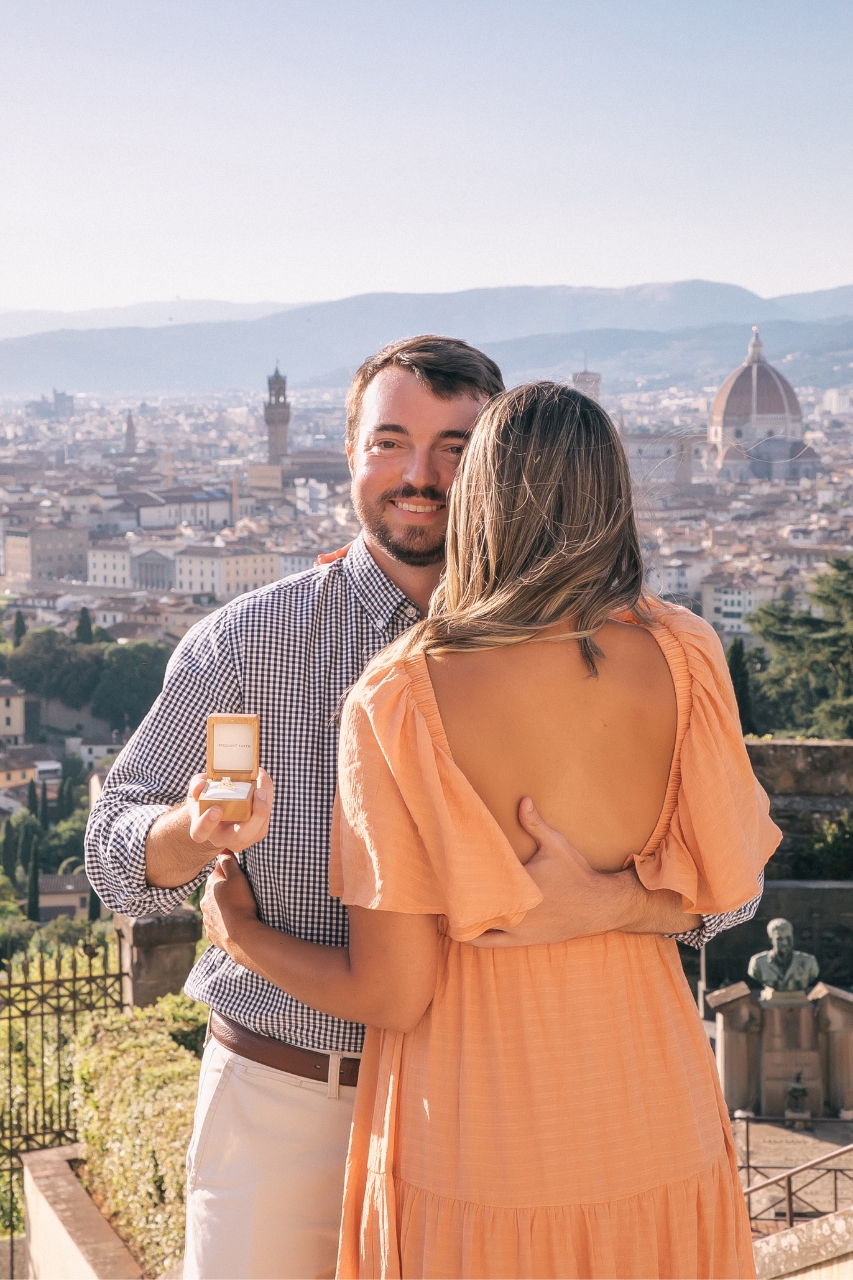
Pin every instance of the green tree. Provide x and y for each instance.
(83, 632)
(64, 842)
(26, 835)
(70, 802)
(131, 680)
(739, 672)
(52, 665)
(44, 816)
(808, 681)
(20, 628)
(33, 912)
(32, 798)
(10, 850)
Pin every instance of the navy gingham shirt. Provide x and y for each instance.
(288, 652)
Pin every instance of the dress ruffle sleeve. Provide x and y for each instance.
(409, 834)
(715, 833)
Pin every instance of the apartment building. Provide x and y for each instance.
(45, 552)
(12, 714)
(728, 599)
(225, 572)
(109, 564)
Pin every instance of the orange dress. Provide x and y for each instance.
(556, 1112)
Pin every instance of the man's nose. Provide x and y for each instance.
(420, 469)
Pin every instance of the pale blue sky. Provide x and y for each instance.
(249, 149)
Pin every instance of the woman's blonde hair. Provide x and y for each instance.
(541, 527)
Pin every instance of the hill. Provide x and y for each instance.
(691, 330)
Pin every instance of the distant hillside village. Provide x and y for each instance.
(150, 515)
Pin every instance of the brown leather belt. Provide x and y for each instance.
(278, 1054)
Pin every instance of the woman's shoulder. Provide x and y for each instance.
(386, 679)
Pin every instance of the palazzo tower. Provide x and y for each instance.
(277, 417)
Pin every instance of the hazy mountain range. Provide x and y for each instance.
(690, 331)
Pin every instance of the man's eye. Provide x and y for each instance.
(457, 450)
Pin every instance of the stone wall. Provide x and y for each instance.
(807, 781)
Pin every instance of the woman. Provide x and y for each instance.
(546, 1110)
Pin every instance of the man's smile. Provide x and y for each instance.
(420, 508)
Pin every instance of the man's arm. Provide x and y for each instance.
(579, 901)
(181, 843)
(147, 785)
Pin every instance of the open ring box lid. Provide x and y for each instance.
(233, 760)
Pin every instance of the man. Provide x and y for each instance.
(266, 1162)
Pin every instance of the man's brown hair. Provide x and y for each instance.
(449, 367)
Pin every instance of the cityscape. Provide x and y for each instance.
(151, 513)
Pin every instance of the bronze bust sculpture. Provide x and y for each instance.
(782, 968)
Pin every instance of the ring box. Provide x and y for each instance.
(233, 760)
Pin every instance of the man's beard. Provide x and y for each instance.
(417, 545)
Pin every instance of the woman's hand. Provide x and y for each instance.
(228, 906)
(208, 828)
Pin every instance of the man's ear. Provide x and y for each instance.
(349, 452)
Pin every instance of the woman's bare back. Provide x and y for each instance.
(594, 752)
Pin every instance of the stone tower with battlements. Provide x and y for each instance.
(277, 417)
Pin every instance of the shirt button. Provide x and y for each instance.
(410, 611)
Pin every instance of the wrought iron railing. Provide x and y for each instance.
(42, 997)
(807, 1190)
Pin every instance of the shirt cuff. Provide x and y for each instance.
(119, 877)
(712, 925)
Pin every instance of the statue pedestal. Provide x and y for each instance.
(789, 1044)
(835, 1030)
(764, 1041)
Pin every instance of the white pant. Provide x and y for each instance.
(265, 1173)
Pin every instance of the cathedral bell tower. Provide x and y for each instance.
(277, 417)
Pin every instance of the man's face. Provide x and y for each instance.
(403, 461)
(783, 943)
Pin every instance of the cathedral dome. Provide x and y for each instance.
(755, 403)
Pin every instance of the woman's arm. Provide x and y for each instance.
(385, 978)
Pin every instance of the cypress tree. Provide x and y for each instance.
(33, 912)
(43, 809)
(33, 799)
(25, 840)
(739, 672)
(10, 851)
(94, 905)
(20, 629)
(83, 633)
(69, 806)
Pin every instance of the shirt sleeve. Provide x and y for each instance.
(151, 774)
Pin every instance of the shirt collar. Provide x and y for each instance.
(375, 591)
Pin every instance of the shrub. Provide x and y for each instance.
(135, 1083)
(827, 854)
